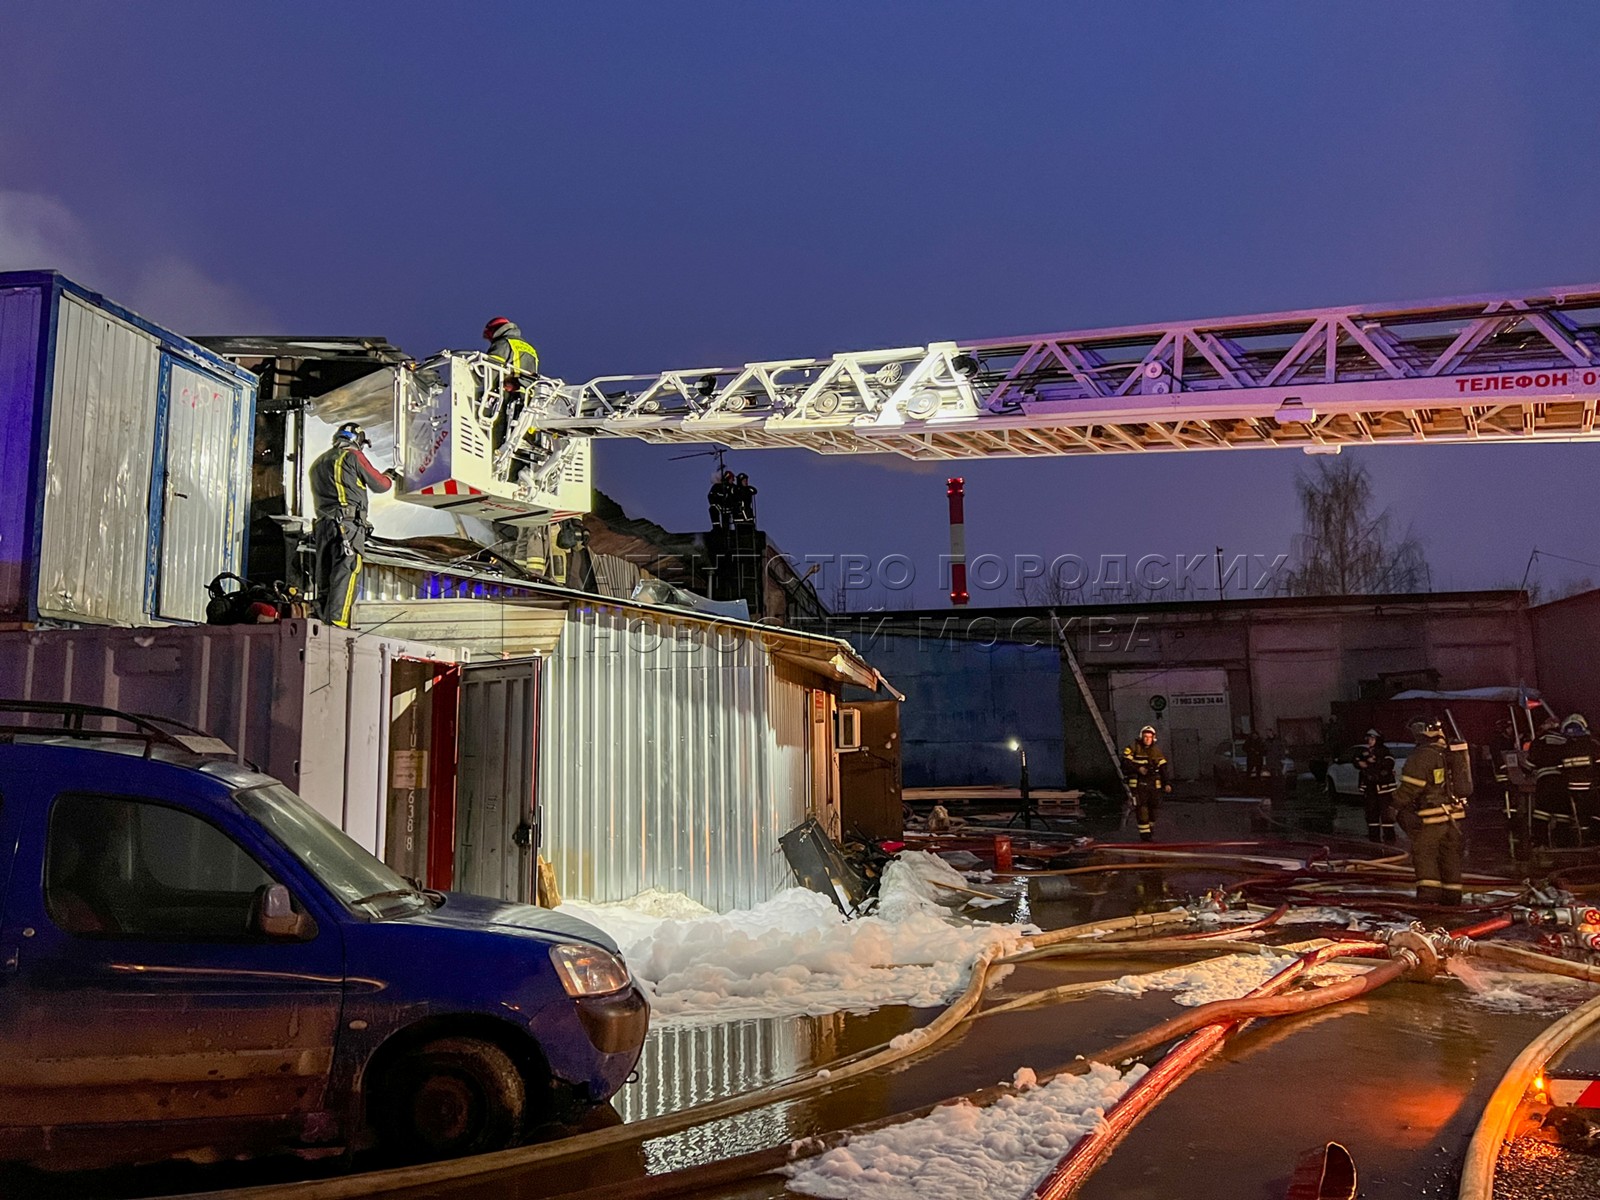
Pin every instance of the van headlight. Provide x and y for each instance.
(589, 970)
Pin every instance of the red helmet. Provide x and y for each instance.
(493, 327)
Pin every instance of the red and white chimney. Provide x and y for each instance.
(956, 489)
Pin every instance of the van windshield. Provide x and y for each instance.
(365, 885)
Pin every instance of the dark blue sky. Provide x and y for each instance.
(666, 185)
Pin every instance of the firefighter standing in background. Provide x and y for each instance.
(1501, 747)
(1146, 770)
(1375, 766)
(1432, 814)
(340, 480)
(1552, 808)
(1578, 771)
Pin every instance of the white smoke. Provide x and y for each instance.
(40, 232)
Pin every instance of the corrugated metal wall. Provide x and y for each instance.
(670, 757)
(202, 528)
(19, 364)
(92, 558)
(304, 702)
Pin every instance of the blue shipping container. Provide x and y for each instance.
(124, 463)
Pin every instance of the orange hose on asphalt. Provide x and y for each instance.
(1086, 1155)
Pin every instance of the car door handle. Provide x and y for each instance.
(9, 957)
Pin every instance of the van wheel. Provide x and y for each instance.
(451, 1097)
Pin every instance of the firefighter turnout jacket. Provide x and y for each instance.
(510, 348)
(1375, 766)
(340, 480)
(1147, 772)
(1553, 809)
(1432, 817)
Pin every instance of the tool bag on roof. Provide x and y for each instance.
(246, 603)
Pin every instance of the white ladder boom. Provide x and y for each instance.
(1503, 368)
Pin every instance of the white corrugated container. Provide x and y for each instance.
(306, 703)
(671, 755)
(125, 467)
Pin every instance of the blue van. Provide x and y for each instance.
(194, 963)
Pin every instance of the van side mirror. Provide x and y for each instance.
(275, 915)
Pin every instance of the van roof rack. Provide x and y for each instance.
(152, 731)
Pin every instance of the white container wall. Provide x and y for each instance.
(100, 455)
(670, 756)
(304, 702)
(126, 465)
(206, 452)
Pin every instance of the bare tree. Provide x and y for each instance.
(1346, 550)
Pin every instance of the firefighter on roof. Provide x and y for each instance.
(1432, 807)
(743, 498)
(1145, 768)
(340, 481)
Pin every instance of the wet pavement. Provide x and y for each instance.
(1399, 1077)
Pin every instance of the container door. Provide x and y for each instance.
(199, 523)
(497, 815)
(869, 778)
(94, 537)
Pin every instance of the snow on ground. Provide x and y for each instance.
(1227, 978)
(797, 954)
(961, 1152)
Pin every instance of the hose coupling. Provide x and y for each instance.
(1418, 947)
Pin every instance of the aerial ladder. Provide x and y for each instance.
(1498, 368)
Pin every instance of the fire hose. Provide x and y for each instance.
(1212, 1024)
(1483, 1152)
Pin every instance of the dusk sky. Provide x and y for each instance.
(645, 186)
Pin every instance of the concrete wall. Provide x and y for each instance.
(973, 680)
(1566, 642)
(965, 700)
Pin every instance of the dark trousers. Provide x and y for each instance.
(1146, 799)
(1436, 851)
(1555, 816)
(340, 544)
(1379, 827)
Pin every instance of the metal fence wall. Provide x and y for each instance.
(670, 757)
